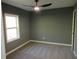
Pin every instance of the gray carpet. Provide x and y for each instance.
(42, 51)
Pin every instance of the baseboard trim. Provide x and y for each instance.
(38, 42)
(18, 47)
(50, 43)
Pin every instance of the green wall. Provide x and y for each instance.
(54, 24)
(23, 25)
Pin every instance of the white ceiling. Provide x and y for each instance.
(55, 3)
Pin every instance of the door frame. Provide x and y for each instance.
(73, 29)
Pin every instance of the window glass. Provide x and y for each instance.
(10, 21)
(11, 34)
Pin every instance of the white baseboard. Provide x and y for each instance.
(50, 43)
(35, 41)
(17, 47)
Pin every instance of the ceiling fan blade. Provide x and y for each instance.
(46, 5)
(28, 6)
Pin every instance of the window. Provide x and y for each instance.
(12, 28)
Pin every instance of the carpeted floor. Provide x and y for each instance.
(42, 51)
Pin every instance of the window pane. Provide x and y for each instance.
(11, 34)
(10, 21)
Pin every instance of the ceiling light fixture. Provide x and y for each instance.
(36, 8)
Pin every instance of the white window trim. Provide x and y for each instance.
(18, 37)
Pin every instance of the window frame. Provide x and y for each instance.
(17, 27)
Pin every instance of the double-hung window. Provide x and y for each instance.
(12, 27)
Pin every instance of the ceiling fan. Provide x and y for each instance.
(37, 7)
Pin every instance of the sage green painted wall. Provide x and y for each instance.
(54, 24)
(23, 25)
